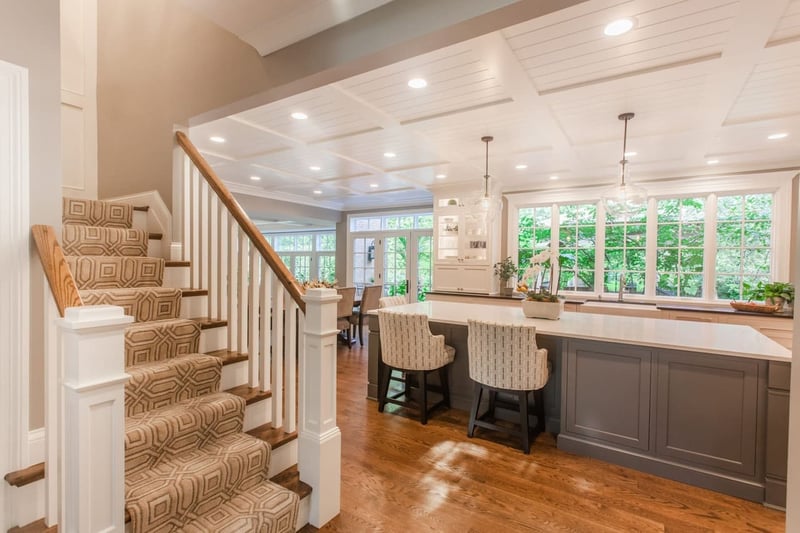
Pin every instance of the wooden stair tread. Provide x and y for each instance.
(194, 292)
(250, 394)
(208, 323)
(155, 236)
(228, 357)
(177, 263)
(276, 437)
(144, 208)
(290, 479)
(20, 478)
(34, 527)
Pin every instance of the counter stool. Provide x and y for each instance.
(504, 358)
(408, 345)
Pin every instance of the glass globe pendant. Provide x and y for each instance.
(625, 199)
(488, 205)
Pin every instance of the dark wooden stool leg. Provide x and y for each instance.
(360, 329)
(383, 385)
(424, 407)
(492, 398)
(473, 413)
(523, 414)
(538, 397)
(444, 379)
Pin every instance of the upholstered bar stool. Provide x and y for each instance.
(505, 358)
(344, 310)
(408, 345)
(389, 301)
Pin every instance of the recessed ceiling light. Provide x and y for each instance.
(618, 27)
(712, 161)
(521, 166)
(389, 154)
(417, 83)
(314, 168)
(441, 176)
(630, 154)
(255, 178)
(217, 139)
(317, 191)
(553, 178)
(373, 185)
(299, 115)
(776, 136)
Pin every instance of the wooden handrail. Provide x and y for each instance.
(59, 276)
(256, 238)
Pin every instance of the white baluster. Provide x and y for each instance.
(202, 234)
(241, 290)
(186, 188)
(233, 277)
(292, 310)
(265, 304)
(213, 256)
(277, 352)
(222, 262)
(253, 311)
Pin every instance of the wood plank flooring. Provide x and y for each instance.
(398, 475)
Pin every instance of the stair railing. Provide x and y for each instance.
(251, 288)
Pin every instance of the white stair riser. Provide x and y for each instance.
(257, 414)
(233, 375)
(303, 513)
(176, 277)
(27, 503)
(213, 339)
(283, 458)
(140, 220)
(194, 306)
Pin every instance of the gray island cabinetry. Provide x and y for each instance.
(705, 404)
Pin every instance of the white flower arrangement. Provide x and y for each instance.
(543, 266)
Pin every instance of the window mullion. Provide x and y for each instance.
(651, 234)
(710, 249)
(600, 249)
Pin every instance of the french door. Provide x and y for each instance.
(398, 260)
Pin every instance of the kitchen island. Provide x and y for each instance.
(683, 400)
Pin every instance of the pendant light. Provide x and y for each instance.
(490, 206)
(625, 199)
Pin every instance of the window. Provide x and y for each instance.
(307, 255)
(744, 239)
(625, 251)
(534, 233)
(576, 246)
(679, 247)
(391, 222)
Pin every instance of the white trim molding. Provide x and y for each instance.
(15, 284)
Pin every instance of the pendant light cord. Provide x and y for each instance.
(626, 117)
(486, 139)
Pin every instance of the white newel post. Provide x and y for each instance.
(93, 351)
(320, 441)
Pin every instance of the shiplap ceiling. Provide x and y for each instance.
(707, 79)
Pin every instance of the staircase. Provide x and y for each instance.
(189, 465)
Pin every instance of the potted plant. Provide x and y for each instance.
(505, 270)
(779, 293)
(540, 281)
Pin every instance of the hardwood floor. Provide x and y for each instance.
(398, 475)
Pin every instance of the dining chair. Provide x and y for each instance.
(504, 358)
(407, 345)
(388, 301)
(370, 299)
(344, 310)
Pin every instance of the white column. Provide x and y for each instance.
(320, 441)
(93, 351)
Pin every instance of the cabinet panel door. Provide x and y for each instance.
(708, 410)
(608, 393)
(777, 433)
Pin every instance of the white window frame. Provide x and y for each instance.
(314, 253)
(778, 183)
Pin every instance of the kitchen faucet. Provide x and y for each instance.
(621, 286)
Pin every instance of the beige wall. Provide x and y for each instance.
(29, 37)
(158, 65)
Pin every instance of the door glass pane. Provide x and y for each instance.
(424, 256)
(363, 261)
(394, 265)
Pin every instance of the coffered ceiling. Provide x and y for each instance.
(709, 81)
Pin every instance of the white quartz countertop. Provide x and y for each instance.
(710, 338)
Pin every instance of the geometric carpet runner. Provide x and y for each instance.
(188, 465)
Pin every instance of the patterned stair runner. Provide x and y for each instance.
(188, 465)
